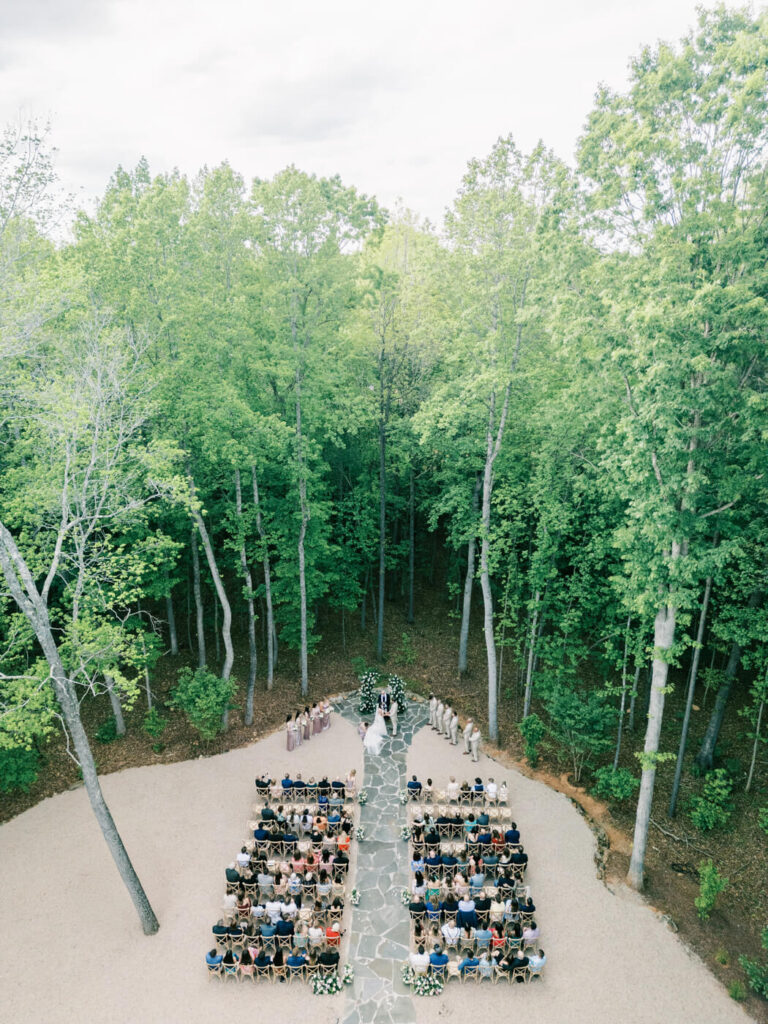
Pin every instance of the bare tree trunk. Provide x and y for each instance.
(663, 639)
(469, 580)
(623, 696)
(30, 603)
(171, 617)
(531, 651)
(189, 612)
(302, 535)
(754, 746)
(216, 630)
(689, 698)
(226, 626)
(271, 645)
(633, 698)
(365, 600)
(117, 709)
(252, 663)
(706, 755)
(382, 534)
(201, 657)
(411, 547)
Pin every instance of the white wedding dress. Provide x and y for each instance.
(375, 735)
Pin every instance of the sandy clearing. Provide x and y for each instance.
(609, 957)
(64, 904)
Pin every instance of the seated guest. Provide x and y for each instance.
(432, 837)
(519, 960)
(503, 793)
(469, 823)
(229, 962)
(465, 791)
(469, 962)
(246, 962)
(528, 908)
(433, 909)
(466, 914)
(491, 791)
(419, 886)
(451, 933)
(512, 835)
(482, 903)
(296, 959)
(324, 786)
(419, 961)
(417, 864)
(298, 787)
(329, 958)
(340, 860)
(485, 965)
(520, 858)
(266, 929)
(483, 819)
(338, 787)
(233, 875)
(221, 927)
(267, 813)
(450, 905)
(287, 781)
(243, 905)
(530, 933)
(262, 958)
(448, 860)
(428, 787)
(483, 936)
(243, 858)
(263, 783)
(261, 834)
(438, 960)
(478, 786)
(434, 859)
(283, 927)
(484, 838)
(414, 788)
(417, 906)
(536, 962)
(213, 959)
(452, 790)
(333, 934)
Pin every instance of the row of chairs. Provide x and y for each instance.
(500, 814)
(271, 943)
(271, 974)
(473, 975)
(471, 799)
(309, 889)
(295, 801)
(462, 944)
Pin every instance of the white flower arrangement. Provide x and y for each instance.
(359, 833)
(354, 899)
(407, 973)
(403, 796)
(405, 897)
(405, 833)
(348, 975)
(326, 984)
(362, 797)
(427, 985)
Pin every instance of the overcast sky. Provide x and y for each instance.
(395, 97)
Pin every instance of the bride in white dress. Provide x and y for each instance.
(375, 735)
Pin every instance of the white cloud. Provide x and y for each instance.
(396, 98)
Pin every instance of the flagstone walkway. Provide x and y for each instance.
(380, 933)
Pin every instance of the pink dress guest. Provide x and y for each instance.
(306, 724)
(297, 729)
(326, 715)
(317, 719)
(289, 733)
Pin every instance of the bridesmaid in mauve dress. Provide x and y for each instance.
(326, 714)
(307, 724)
(297, 728)
(289, 732)
(317, 719)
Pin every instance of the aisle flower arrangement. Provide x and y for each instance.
(405, 832)
(348, 974)
(359, 833)
(427, 985)
(403, 796)
(354, 897)
(326, 984)
(405, 897)
(407, 973)
(362, 797)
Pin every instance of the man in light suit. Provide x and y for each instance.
(446, 723)
(474, 743)
(454, 729)
(439, 716)
(432, 710)
(467, 733)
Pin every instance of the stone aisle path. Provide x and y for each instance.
(380, 936)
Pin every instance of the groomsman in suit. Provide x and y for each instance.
(439, 716)
(446, 723)
(467, 733)
(454, 729)
(432, 711)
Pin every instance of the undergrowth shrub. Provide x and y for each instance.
(711, 884)
(713, 808)
(18, 769)
(615, 785)
(203, 697)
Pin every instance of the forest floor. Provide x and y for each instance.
(425, 655)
